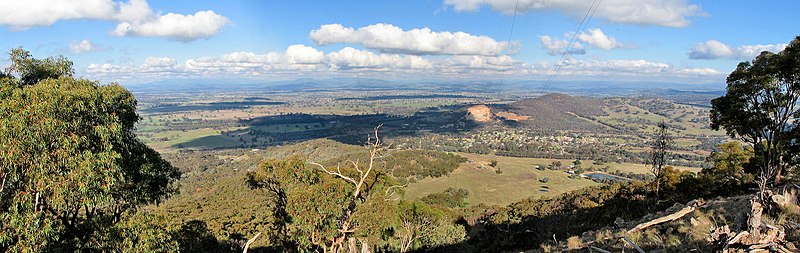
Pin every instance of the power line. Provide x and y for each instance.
(510, 33)
(585, 21)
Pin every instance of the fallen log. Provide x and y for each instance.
(674, 216)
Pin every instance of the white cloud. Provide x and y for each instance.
(557, 46)
(158, 64)
(349, 57)
(203, 24)
(302, 54)
(713, 49)
(670, 13)
(629, 70)
(294, 58)
(304, 61)
(748, 52)
(596, 38)
(392, 39)
(85, 46)
(20, 15)
(134, 18)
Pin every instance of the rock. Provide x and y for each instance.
(696, 202)
(790, 246)
(779, 200)
(694, 222)
(619, 222)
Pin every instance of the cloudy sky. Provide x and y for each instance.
(139, 41)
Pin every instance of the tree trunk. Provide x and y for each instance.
(364, 246)
(778, 177)
(351, 243)
(658, 184)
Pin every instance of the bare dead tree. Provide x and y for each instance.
(659, 153)
(346, 226)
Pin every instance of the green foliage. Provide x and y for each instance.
(760, 107)
(423, 226)
(426, 163)
(70, 162)
(30, 70)
(194, 236)
(139, 232)
(493, 163)
(450, 198)
(730, 163)
(671, 178)
(311, 224)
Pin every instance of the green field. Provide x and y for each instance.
(519, 179)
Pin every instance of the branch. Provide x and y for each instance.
(599, 249)
(388, 195)
(247, 245)
(627, 239)
(338, 173)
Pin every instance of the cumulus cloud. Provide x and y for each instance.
(294, 58)
(301, 60)
(388, 38)
(557, 46)
(203, 24)
(642, 69)
(349, 57)
(670, 13)
(134, 18)
(157, 64)
(713, 49)
(595, 38)
(85, 46)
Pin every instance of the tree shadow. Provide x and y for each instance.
(350, 129)
(567, 216)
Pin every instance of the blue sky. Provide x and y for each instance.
(140, 41)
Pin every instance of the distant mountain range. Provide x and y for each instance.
(683, 93)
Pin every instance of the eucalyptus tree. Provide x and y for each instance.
(760, 108)
(71, 168)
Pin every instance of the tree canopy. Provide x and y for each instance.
(71, 166)
(30, 70)
(760, 108)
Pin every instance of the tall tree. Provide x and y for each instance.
(332, 209)
(71, 166)
(30, 70)
(760, 108)
(659, 153)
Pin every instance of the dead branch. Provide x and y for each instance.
(668, 218)
(247, 245)
(628, 239)
(389, 191)
(598, 249)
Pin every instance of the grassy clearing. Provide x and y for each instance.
(519, 179)
(166, 140)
